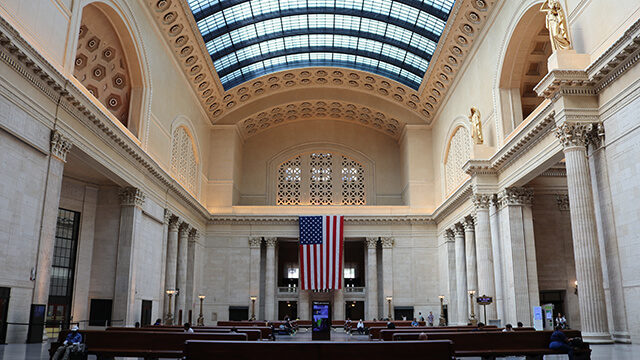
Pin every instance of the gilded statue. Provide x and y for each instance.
(476, 126)
(557, 25)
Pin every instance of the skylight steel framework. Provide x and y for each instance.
(250, 38)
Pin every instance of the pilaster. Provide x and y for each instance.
(171, 268)
(452, 300)
(181, 273)
(496, 251)
(470, 256)
(387, 266)
(254, 271)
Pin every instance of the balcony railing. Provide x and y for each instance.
(287, 290)
(353, 289)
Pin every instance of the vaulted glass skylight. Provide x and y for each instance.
(250, 38)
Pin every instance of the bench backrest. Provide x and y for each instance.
(377, 333)
(153, 341)
(318, 350)
(491, 340)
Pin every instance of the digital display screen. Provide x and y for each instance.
(320, 317)
(485, 300)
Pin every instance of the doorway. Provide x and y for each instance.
(145, 314)
(56, 319)
(4, 307)
(354, 310)
(400, 312)
(555, 297)
(287, 308)
(238, 313)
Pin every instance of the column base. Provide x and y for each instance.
(597, 338)
(622, 337)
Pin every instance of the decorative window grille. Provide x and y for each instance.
(184, 165)
(316, 179)
(352, 182)
(289, 182)
(320, 192)
(459, 153)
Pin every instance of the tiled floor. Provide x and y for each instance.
(600, 352)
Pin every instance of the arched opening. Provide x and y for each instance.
(184, 159)
(106, 63)
(525, 64)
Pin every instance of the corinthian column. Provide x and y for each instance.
(371, 280)
(270, 279)
(472, 261)
(574, 138)
(486, 283)
(254, 272)
(461, 276)
(452, 312)
(131, 200)
(172, 256)
(387, 266)
(181, 277)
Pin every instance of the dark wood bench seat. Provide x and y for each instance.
(145, 344)
(318, 350)
(488, 345)
(375, 333)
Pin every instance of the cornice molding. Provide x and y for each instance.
(17, 53)
(348, 220)
(454, 201)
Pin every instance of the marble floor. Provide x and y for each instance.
(600, 352)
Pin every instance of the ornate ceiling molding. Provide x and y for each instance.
(175, 20)
(465, 23)
(335, 110)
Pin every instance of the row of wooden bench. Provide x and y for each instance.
(221, 344)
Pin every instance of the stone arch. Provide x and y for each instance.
(354, 157)
(523, 63)
(184, 163)
(457, 152)
(122, 83)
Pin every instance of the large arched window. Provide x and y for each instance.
(458, 153)
(321, 178)
(184, 160)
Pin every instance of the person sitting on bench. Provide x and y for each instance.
(73, 340)
(360, 327)
(560, 342)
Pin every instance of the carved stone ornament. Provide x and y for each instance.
(255, 241)
(131, 196)
(271, 241)
(449, 235)
(563, 202)
(185, 228)
(516, 196)
(469, 223)
(387, 242)
(575, 134)
(481, 201)
(372, 242)
(596, 136)
(194, 234)
(174, 223)
(60, 145)
(167, 216)
(458, 230)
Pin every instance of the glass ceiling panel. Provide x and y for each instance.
(250, 38)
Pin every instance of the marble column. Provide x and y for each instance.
(574, 139)
(461, 276)
(190, 293)
(338, 304)
(181, 274)
(520, 264)
(387, 270)
(486, 284)
(254, 273)
(496, 250)
(172, 260)
(131, 200)
(452, 299)
(60, 147)
(472, 261)
(270, 279)
(371, 281)
(303, 306)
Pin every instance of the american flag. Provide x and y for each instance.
(321, 250)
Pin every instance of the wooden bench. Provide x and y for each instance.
(254, 333)
(376, 333)
(145, 344)
(489, 345)
(318, 350)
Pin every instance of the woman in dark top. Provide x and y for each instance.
(560, 342)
